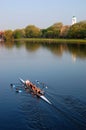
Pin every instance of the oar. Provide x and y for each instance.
(18, 90)
(14, 85)
(41, 83)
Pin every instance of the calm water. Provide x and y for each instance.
(62, 68)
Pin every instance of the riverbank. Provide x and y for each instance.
(45, 40)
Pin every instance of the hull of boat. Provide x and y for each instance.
(45, 99)
(22, 81)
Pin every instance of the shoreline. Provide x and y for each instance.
(46, 40)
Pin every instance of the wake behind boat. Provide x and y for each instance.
(34, 89)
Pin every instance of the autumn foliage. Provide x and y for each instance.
(57, 30)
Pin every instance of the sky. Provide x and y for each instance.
(15, 14)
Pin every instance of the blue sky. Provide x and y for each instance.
(41, 13)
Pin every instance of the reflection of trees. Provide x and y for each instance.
(78, 50)
(56, 49)
(32, 46)
(18, 44)
(9, 44)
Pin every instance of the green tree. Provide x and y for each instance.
(43, 33)
(32, 31)
(19, 33)
(78, 30)
(53, 31)
(56, 26)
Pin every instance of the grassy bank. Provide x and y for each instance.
(45, 40)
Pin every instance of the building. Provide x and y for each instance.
(73, 20)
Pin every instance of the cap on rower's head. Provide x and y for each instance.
(27, 81)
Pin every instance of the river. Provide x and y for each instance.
(61, 67)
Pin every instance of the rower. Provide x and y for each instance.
(27, 83)
(33, 87)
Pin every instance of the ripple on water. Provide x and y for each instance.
(74, 110)
(66, 113)
(38, 115)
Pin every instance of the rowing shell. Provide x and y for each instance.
(41, 96)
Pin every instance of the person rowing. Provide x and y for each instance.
(32, 87)
(39, 92)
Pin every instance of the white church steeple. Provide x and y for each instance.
(73, 20)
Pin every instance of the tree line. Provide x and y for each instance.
(57, 30)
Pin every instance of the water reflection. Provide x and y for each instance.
(7, 45)
(76, 50)
(32, 47)
(56, 49)
(66, 86)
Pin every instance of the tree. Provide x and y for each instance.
(8, 35)
(32, 31)
(64, 31)
(19, 33)
(78, 30)
(53, 31)
(56, 26)
(43, 33)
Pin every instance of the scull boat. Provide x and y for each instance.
(41, 95)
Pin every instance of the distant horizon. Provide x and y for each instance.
(16, 14)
